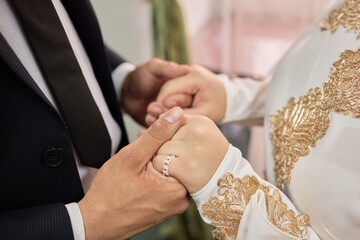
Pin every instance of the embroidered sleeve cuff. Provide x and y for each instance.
(77, 223)
(211, 188)
(240, 204)
(119, 74)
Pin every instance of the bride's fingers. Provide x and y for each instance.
(141, 132)
(150, 119)
(155, 109)
(173, 168)
(180, 99)
(151, 167)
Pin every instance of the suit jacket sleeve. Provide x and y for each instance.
(114, 59)
(42, 222)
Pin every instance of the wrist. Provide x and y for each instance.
(95, 220)
(102, 222)
(89, 220)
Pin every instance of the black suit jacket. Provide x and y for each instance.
(32, 194)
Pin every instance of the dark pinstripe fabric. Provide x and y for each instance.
(32, 195)
(10, 58)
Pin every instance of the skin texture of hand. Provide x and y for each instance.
(199, 148)
(128, 195)
(200, 92)
(142, 85)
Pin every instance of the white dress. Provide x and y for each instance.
(312, 142)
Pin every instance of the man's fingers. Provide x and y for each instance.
(166, 69)
(157, 134)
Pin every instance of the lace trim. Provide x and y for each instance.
(347, 15)
(226, 212)
(298, 126)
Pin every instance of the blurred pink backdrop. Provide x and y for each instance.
(246, 37)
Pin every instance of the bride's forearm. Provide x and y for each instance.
(241, 205)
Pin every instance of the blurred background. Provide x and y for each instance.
(243, 37)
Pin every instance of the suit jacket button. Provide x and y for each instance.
(53, 157)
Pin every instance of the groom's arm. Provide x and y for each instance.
(114, 59)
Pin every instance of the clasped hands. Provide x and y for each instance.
(198, 146)
(129, 193)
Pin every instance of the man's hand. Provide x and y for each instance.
(128, 195)
(142, 85)
(200, 92)
(199, 148)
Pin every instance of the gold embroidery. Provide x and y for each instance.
(302, 123)
(226, 213)
(346, 15)
(342, 90)
(294, 129)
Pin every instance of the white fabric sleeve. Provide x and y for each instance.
(119, 74)
(244, 98)
(255, 223)
(77, 223)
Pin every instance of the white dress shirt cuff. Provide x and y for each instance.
(119, 74)
(77, 223)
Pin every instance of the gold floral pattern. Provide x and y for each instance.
(226, 210)
(299, 125)
(342, 91)
(295, 129)
(347, 15)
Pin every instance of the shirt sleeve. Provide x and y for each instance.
(119, 74)
(77, 223)
(241, 205)
(245, 99)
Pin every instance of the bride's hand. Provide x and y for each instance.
(199, 147)
(200, 92)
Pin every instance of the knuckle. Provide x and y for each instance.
(200, 132)
(180, 194)
(159, 130)
(185, 205)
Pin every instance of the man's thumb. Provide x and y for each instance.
(158, 133)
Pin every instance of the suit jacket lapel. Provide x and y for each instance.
(10, 58)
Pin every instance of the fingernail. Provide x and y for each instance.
(174, 115)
